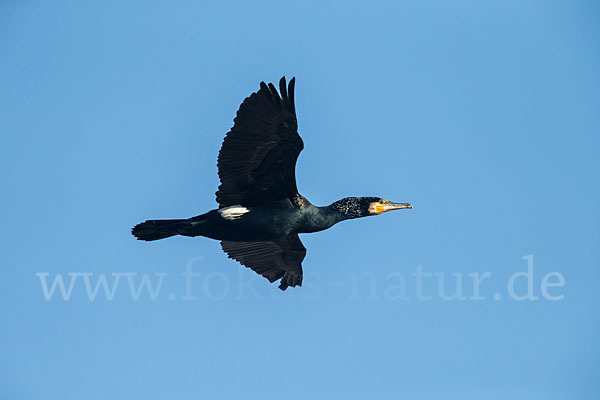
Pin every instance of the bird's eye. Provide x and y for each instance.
(382, 201)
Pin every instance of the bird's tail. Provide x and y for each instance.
(157, 229)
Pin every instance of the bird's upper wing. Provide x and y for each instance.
(257, 160)
(281, 258)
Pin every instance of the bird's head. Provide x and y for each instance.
(356, 207)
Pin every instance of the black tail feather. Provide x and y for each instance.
(156, 229)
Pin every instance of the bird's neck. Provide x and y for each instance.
(333, 214)
(316, 219)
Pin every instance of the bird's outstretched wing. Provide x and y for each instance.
(281, 258)
(257, 160)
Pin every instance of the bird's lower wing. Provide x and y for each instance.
(276, 259)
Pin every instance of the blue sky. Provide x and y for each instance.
(484, 115)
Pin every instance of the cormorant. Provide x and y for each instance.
(260, 211)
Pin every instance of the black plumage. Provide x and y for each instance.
(257, 161)
(260, 211)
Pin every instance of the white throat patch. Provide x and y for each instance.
(233, 212)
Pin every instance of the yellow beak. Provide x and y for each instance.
(381, 208)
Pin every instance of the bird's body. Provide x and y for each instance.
(260, 211)
(267, 221)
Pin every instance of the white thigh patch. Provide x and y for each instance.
(233, 212)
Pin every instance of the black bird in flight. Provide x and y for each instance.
(260, 211)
